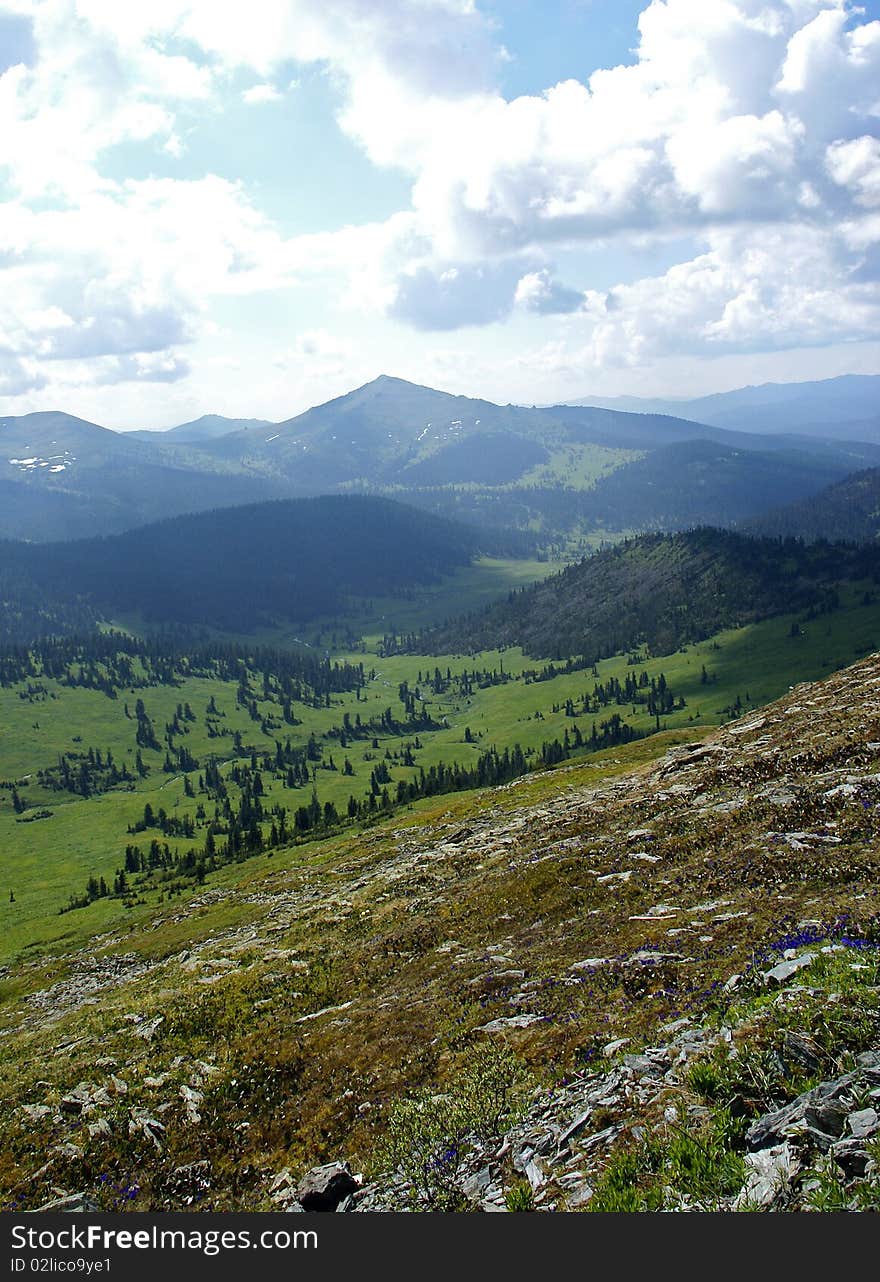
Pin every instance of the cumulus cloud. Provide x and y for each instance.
(748, 125)
(856, 166)
(751, 291)
(143, 367)
(447, 296)
(742, 113)
(17, 376)
(538, 292)
(129, 272)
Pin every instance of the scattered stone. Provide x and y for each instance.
(613, 1047)
(150, 1127)
(77, 1203)
(642, 1066)
(325, 1010)
(863, 1123)
(148, 1029)
(577, 1125)
(851, 1156)
(191, 1100)
(476, 1186)
(651, 957)
(770, 1173)
(509, 1021)
(190, 1183)
(779, 974)
(35, 1112)
(324, 1187)
(77, 1100)
(829, 1117)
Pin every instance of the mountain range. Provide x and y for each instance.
(847, 407)
(561, 472)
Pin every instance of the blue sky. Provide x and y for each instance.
(210, 207)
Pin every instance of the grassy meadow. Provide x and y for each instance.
(45, 860)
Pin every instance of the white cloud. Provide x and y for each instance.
(856, 165)
(753, 290)
(538, 292)
(130, 271)
(748, 125)
(449, 295)
(143, 367)
(262, 93)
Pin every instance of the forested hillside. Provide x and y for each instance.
(234, 568)
(660, 590)
(848, 511)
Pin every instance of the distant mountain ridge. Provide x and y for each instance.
(560, 473)
(207, 428)
(844, 408)
(67, 478)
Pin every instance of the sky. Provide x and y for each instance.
(209, 206)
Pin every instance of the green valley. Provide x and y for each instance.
(402, 719)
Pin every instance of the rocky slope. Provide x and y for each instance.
(644, 943)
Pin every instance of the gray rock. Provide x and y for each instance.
(579, 1196)
(577, 1125)
(324, 1187)
(598, 1138)
(191, 1100)
(150, 1127)
(546, 1143)
(191, 1182)
(493, 1202)
(863, 1123)
(779, 974)
(523, 1157)
(802, 1050)
(35, 1112)
(475, 1186)
(828, 1116)
(76, 1100)
(769, 1175)
(793, 1117)
(509, 1021)
(148, 1028)
(642, 1066)
(78, 1203)
(613, 1047)
(651, 957)
(850, 1154)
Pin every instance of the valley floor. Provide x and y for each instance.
(281, 1016)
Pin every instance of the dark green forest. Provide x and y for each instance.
(849, 510)
(658, 590)
(235, 568)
